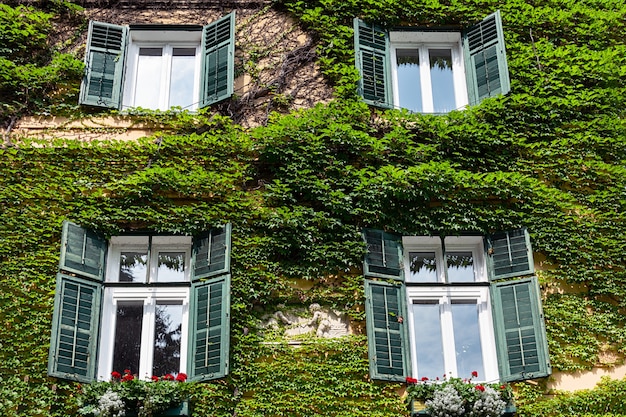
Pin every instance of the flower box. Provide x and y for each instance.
(182, 410)
(418, 409)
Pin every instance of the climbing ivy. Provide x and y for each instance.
(550, 156)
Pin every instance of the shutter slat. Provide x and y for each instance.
(383, 258)
(75, 326)
(371, 45)
(218, 46)
(509, 254)
(104, 65)
(486, 68)
(387, 336)
(210, 335)
(82, 252)
(211, 253)
(520, 332)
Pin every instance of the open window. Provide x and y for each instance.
(159, 66)
(452, 312)
(158, 305)
(431, 71)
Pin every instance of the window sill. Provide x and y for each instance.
(418, 409)
(181, 410)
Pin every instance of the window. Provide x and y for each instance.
(449, 319)
(145, 327)
(431, 71)
(153, 304)
(159, 66)
(447, 306)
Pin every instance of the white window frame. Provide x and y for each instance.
(422, 41)
(147, 293)
(445, 294)
(119, 244)
(168, 40)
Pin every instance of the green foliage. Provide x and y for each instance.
(606, 399)
(34, 76)
(131, 396)
(551, 156)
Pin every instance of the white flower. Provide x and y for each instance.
(110, 405)
(488, 405)
(445, 403)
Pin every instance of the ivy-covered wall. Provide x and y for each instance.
(551, 156)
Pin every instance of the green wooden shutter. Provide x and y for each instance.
(209, 335)
(218, 60)
(509, 254)
(211, 253)
(486, 69)
(104, 65)
(520, 330)
(371, 46)
(75, 326)
(387, 336)
(82, 252)
(384, 257)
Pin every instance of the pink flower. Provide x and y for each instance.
(115, 375)
(480, 388)
(474, 374)
(410, 380)
(155, 378)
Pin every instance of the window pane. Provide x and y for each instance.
(408, 72)
(148, 81)
(171, 267)
(127, 345)
(469, 356)
(442, 80)
(182, 77)
(133, 266)
(423, 267)
(428, 341)
(460, 266)
(167, 337)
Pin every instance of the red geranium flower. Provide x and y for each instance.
(474, 374)
(115, 375)
(127, 377)
(155, 378)
(410, 380)
(424, 378)
(127, 371)
(480, 388)
(168, 377)
(181, 377)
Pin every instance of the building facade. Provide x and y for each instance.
(310, 208)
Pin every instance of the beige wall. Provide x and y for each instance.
(584, 380)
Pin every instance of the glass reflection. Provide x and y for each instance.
(133, 266)
(423, 266)
(182, 77)
(428, 340)
(127, 343)
(148, 81)
(442, 80)
(460, 266)
(167, 337)
(467, 339)
(171, 267)
(408, 72)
